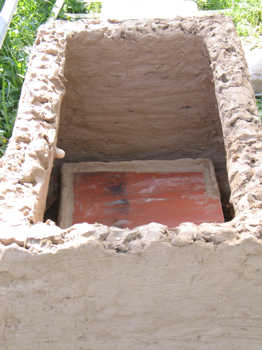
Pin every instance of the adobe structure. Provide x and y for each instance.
(127, 91)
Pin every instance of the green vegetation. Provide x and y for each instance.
(75, 6)
(214, 4)
(13, 59)
(259, 106)
(247, 15)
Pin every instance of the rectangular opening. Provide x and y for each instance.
(135, 193)
(146, 99)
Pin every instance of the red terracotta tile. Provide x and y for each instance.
(129, 199)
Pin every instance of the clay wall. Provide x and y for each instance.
(98, 287)
(141, 94)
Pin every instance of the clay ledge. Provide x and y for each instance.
(47, 237)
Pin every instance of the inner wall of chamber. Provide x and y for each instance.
(148, 99)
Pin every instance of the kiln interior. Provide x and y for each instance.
(147, 99)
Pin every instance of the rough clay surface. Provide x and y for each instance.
(97, 287)
(83, 296)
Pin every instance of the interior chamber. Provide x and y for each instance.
(147, 99)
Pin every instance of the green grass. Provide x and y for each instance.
(247, 17)
(13, 59)
(75, 6)
(246, 14)
(213, 4)
(259, 106)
